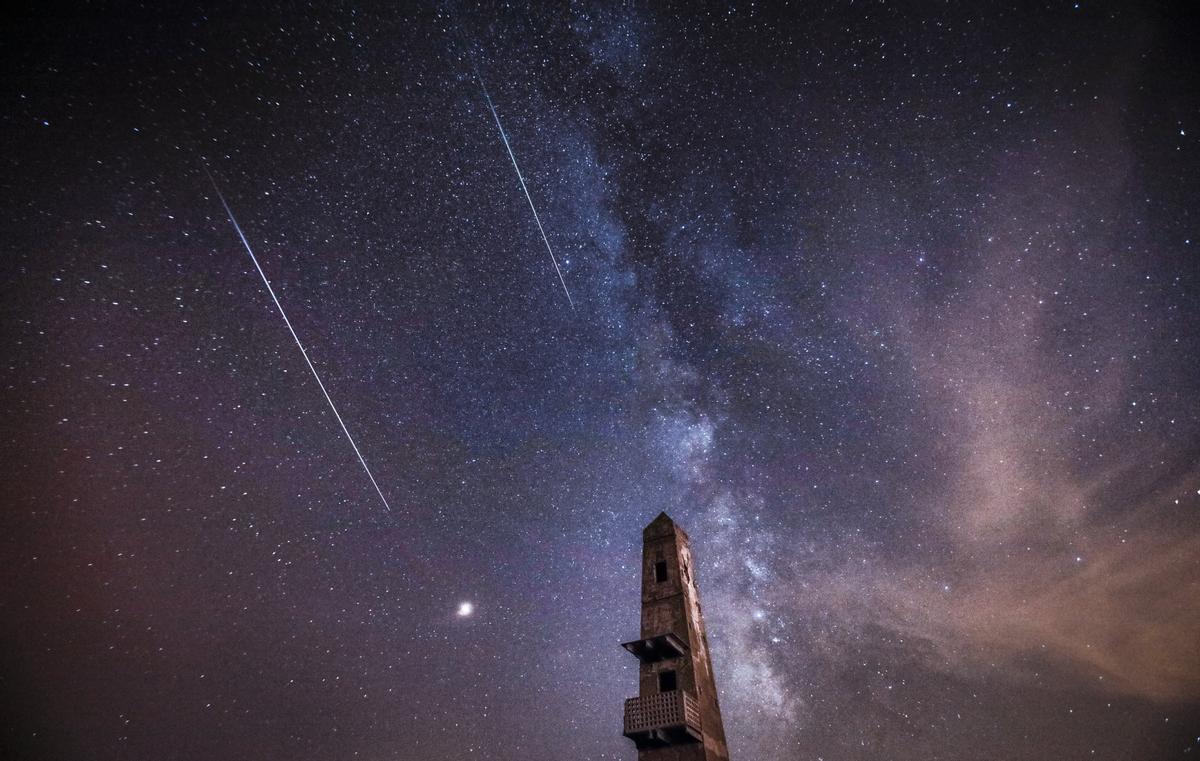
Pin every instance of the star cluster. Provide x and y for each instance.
(894, 310)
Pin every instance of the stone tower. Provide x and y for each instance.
(675, 716)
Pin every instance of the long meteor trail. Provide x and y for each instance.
(286, 321)
(528, 197)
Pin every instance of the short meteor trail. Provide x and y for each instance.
(292, 330)
(528, 197)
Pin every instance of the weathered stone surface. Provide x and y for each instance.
(671, 604)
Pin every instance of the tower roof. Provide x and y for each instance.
(661, 526)
(663, 520)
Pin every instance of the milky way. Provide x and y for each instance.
(896, 314)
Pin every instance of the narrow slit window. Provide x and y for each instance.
(667, 681)
(660, 571)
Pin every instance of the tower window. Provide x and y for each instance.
(667, 681)
(660, 571)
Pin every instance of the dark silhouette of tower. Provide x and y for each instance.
(675, 716)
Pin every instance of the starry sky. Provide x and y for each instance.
(893, 307)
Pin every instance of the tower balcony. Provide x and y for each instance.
(661, 648)
(663, 718)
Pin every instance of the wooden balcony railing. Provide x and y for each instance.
(664, 717)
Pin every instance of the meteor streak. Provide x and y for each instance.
(528, 197)
(286, 321)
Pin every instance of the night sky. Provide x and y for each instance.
(894, 309)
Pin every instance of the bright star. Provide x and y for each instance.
(465, 609)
